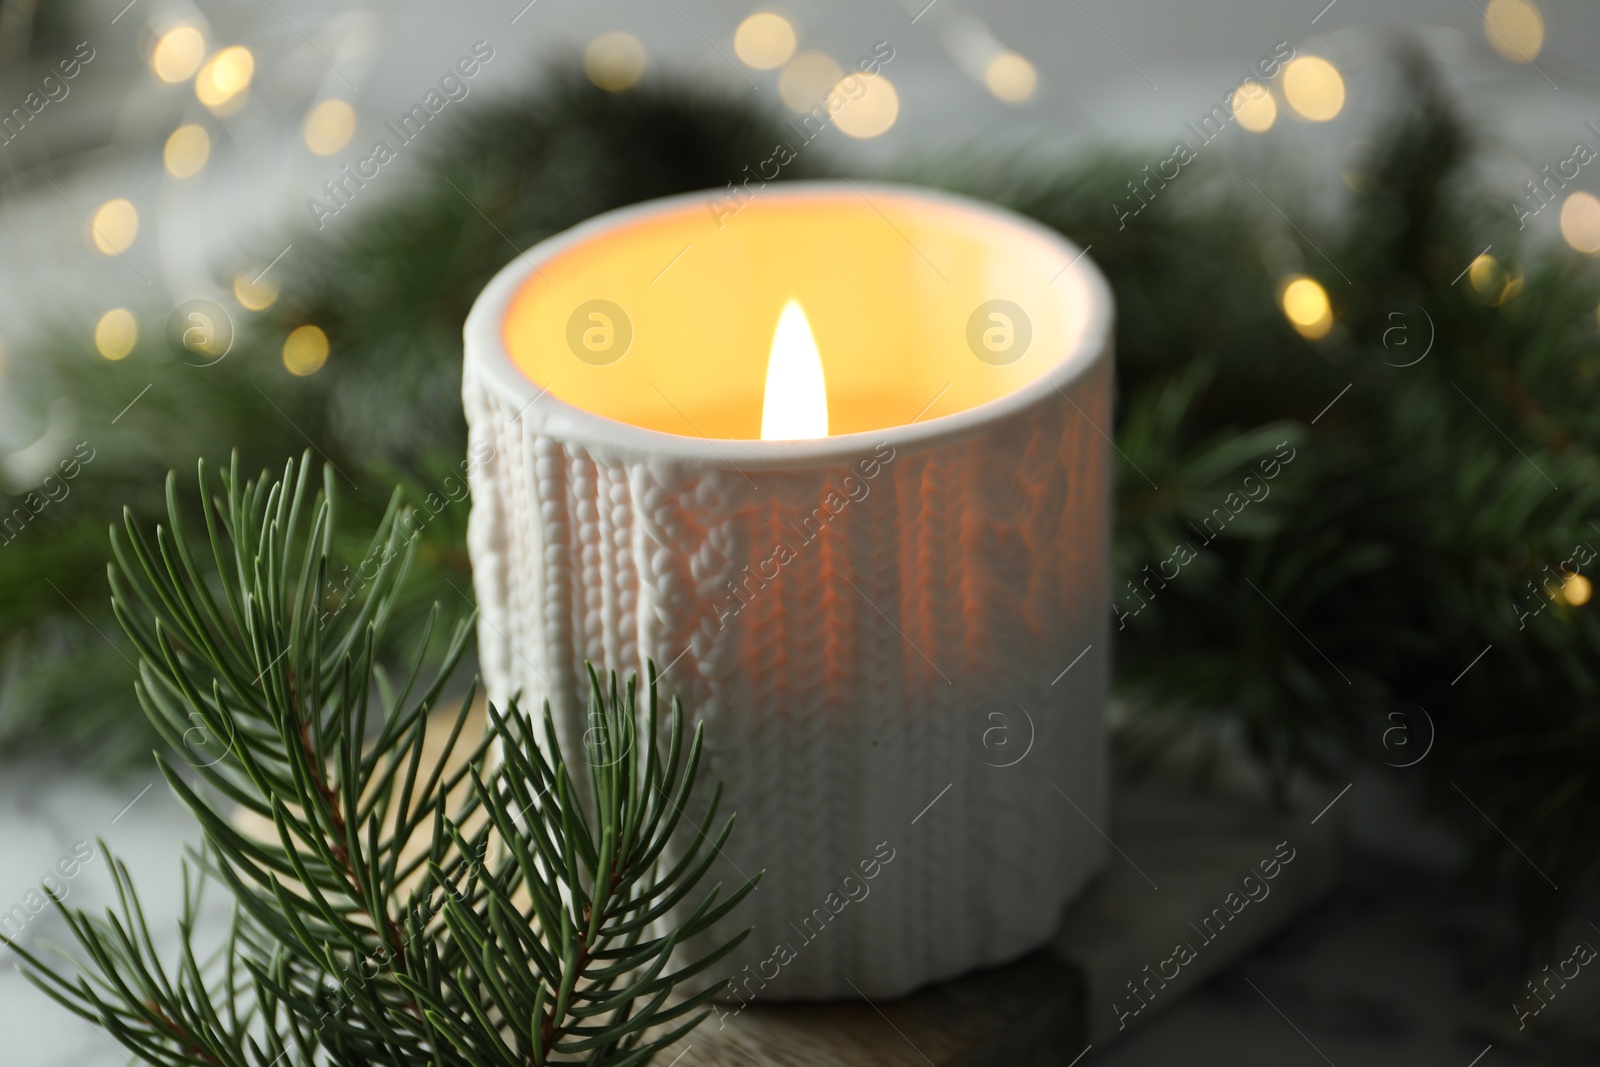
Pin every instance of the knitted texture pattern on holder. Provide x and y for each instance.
(876, 649)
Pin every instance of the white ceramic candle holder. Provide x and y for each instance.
(896, 636)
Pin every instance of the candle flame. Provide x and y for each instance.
(796, 404)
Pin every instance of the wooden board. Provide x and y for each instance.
(1015, 1016)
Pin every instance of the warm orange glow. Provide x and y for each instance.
(691, 293)
(795, 407)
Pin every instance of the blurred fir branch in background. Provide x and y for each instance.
(1352, 522)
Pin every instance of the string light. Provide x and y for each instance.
(615, 61)
(1011, 77)
(1313, 88)
(870, 106)
(187, 150)
(1514, 28)
(254, 293)
(1305, 304)
(116, 333)
(764, 41)
(224, 79)
(114, 226)
(1513, 286)
(1486, 276)
(1580, 222)
(177, 54)
(305, 350)
(808, 79)
(1357, 170)
(1494, 281)
(329, 127)
(1254, 107)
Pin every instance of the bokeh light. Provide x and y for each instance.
(223, 79)
(254, 293)
(178, 53)
(329, 127)
(1254, 107)
(114, 226)
(764, 41)
(187, 150)
(1576, 590)
(808, 79)
(1305, 305)
(1513, 285)
(1514, 28)
(116, 333)
(1313, 88)
(870, 105)
(1011, 77)
(615, 61)
(305, 350)
(1486, 276)
(1580, 222)
(1357, 170)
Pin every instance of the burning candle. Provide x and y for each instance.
(795, 404)
(837, 462)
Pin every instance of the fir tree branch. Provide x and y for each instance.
(477, 911)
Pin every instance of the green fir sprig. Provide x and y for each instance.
(468, 903)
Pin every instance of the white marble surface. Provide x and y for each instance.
(46, 810)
